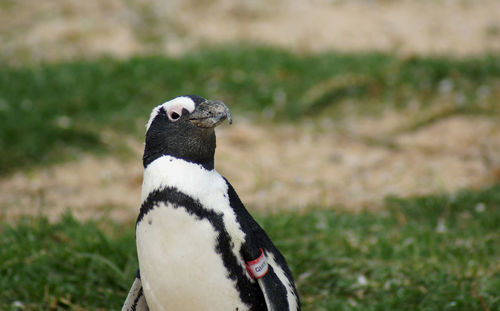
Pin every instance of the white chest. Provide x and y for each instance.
(207, 187)
(180, 269)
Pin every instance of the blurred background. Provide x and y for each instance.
(341, 103)
(338, 105)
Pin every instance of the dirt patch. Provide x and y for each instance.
(275, 167)
(62, 29)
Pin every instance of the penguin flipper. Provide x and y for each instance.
(136, 301)
(272, 288)
(264, 286)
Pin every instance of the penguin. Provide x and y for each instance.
(198, 247)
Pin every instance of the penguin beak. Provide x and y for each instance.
(210, 113)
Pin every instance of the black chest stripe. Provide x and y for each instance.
(249, 292)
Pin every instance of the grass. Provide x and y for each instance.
(50, 112)
(425, 253)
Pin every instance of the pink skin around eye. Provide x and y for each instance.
(175, 109)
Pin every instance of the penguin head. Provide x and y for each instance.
(184, 128)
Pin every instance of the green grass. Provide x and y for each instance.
(50, 112)
(427, 253)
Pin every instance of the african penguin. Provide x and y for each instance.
(198, 247)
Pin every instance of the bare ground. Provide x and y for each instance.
(352, 164)
(274, 167)
(33, 30)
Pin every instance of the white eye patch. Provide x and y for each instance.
(173, 108)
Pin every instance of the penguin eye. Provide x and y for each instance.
(174, 114)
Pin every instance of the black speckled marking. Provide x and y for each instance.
(136, 300)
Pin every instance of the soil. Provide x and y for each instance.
(273, 167)
(61, 29)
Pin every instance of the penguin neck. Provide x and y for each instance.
(185, 176)
(153, 154)
(191, 144)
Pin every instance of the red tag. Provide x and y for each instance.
(258, 267)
